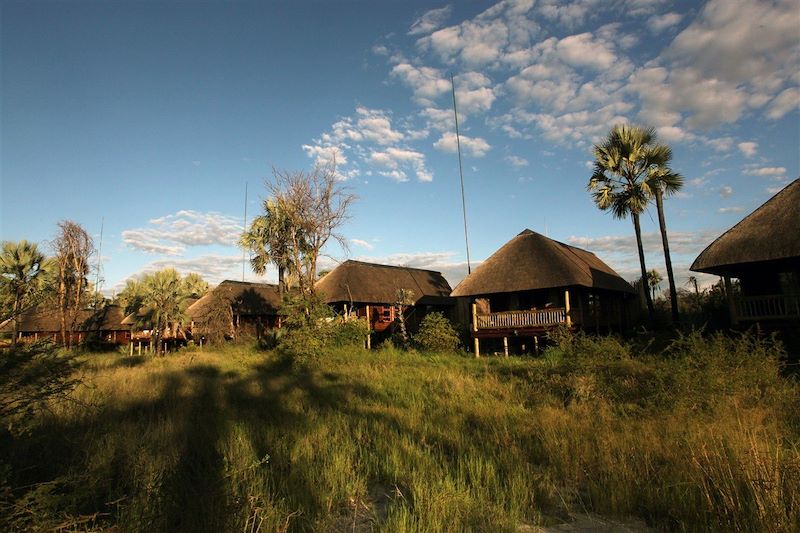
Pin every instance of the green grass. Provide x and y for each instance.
(703, 436)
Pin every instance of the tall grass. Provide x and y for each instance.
(701, 437)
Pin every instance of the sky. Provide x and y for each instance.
(148, 120)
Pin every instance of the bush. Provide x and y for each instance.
(347, 333)
(436, 334)
(311, 326)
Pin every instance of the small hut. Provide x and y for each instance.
(252, 308)
(763, 252)
(371, 290)
(44, 323)
(534, 283)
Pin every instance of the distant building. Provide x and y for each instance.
(371, 290)
(534, 283)
(44, 323)
(763, 253)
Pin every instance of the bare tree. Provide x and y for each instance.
(315, 205)
(73, 247)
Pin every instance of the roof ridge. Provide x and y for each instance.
(382, 265)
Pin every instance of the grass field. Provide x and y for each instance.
(701, 437)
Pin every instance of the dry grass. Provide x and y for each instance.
(703, 437)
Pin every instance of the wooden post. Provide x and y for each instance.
(536, 344)
(369, 329)
(729, 297)
(505, 346)
(35, 336)
(475, 329)
(566, 308)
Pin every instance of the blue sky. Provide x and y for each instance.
(153, 117)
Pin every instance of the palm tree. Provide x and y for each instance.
(654, 279)
(21, 264)
(663, 181)
(693, 281)
(619, 182)
(269, 240)
(164, 296)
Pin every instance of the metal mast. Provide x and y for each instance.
(244, 251)
(99, 263)
(461, 173)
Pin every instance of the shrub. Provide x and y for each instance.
(311, 326)
(347, 333)
(436, 334)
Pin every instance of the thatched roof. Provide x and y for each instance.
(244, 298)
(43, 319)
(770, 233)
(369, 283)
(532, 261)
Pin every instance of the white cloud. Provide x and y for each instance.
(659, 23)
(749, 149)
(732, 209)
(680, 242)
(765, 171)
(430, 20)
(214, 268)
(584, 50)
(171, 234)
(787, 101)
(397, 158)
(474, 146)
(725, 191)
(326, 155)
(427, 83)
(516, 161)
(362, 243)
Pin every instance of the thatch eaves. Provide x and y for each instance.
(531, 261)
(770, 233)
(370, 283)
(48, 319)
(244, 298)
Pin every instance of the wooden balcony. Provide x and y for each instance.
(532, 319)
(774, 307)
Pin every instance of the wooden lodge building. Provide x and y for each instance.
(370, 290)
(253, 308)
(763, 252)
(534, 283)
(105, 325)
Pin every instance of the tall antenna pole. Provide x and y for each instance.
(244, 252)
(99, 262)
(461, 173)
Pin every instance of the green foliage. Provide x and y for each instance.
(31, 376)
(437, 334)
(311, 327)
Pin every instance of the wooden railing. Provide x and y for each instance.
(522, 319)
(767, 307)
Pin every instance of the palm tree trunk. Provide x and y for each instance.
(281, 285)
(637, 228)
(16, 319)
(662, 224)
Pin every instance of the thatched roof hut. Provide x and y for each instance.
(770, 233)
(530, 261)
(245, 298)
(48, 319)
(369, 283)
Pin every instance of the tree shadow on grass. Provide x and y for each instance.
(154, 462)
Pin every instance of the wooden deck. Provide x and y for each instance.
(534, 319)
(775, 307)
